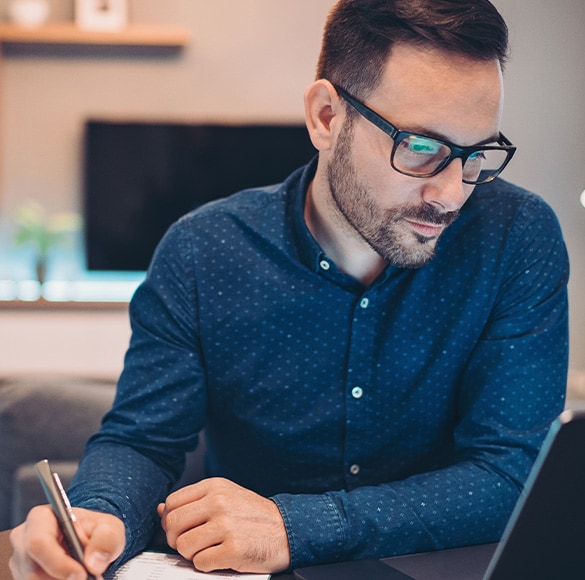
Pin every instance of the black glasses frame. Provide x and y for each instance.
(456, 152)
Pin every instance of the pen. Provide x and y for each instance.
(62, 509)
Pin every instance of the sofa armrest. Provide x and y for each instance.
(27, 491)
(46, 417)
(52, 418)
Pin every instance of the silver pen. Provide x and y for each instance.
(62, 509)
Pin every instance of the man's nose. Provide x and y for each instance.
(446, 190)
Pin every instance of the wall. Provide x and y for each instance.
(545, 117)
(248, 60)
(89, 343)
(251, 60)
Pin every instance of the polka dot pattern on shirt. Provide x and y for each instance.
(399, 417)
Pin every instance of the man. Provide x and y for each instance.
(376, 347)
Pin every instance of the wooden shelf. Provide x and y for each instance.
(67, 33)
(49, 305)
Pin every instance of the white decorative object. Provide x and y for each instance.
(29, 13)
(101, 14)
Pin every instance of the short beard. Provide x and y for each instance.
(380, 228)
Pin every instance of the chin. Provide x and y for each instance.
(416, 262)
(415, 253)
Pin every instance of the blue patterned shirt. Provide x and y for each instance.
(399, 417)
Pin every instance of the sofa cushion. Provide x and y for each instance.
(46, 417)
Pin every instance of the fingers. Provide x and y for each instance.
(191, 493)
(216, 548)
(38, 553)
(206, 560)
(196, 540)
(218, 524)
(184, 510)
(178, 521)
(106, 540)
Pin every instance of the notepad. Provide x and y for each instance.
(158, 566)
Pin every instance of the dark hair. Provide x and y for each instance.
(359, 35)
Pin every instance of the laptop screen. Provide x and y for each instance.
(545, 537)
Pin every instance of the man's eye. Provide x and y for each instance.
(477, 156)
(422, 145)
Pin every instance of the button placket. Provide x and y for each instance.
(358, 378)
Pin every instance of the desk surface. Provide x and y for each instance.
(5, 552)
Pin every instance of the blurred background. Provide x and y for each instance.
(246, 61)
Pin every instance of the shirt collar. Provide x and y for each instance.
(297, 185)
(309, 251)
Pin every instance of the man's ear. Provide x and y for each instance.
(323, 107)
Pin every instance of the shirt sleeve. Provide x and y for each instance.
(511, 389)
(131, 464)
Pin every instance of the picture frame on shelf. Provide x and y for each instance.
(109, 15)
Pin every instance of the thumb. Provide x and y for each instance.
(104, 546)
(160, 508)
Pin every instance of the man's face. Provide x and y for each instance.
(427, 92)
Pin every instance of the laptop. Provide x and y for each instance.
(543, 540)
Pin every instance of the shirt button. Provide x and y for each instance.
(364, 302)
(325, 265)
(357, 392)
(354, 469)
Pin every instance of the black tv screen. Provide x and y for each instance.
(141, 177)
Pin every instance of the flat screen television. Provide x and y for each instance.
(140, 177)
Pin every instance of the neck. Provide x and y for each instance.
(338, 239)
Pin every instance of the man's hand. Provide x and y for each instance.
(217, 524)
(40, 554)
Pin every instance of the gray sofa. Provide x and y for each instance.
(51, 417)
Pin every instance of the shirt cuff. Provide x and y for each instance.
(315, 528)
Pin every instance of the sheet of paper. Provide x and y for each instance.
(157, 566)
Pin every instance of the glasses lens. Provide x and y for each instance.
(421, 156)
(418, 155)
(487, 161)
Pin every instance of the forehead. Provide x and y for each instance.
(451, 96)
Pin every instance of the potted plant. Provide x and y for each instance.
(43, 231)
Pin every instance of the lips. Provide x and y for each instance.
(426, 230)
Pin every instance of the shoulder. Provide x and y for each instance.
(224, 216)
(244, 204)
(262, 208)
(502, 222)
(249, 218)
(501, 212)
(252, 217)
(505, 202)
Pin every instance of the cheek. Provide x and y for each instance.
(468, 190)
(391, 189)
(373, 170)
(370, 151)
(370, 156)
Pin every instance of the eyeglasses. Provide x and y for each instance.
(422, 156)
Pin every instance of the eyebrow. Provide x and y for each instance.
(435, 135)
